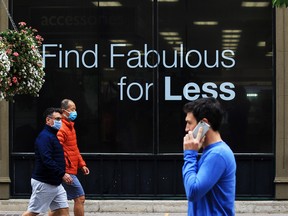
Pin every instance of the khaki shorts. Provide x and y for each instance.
(45, 196)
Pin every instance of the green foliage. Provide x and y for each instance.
(280, 3)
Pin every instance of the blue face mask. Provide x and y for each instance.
(57, 124)
(72, 115)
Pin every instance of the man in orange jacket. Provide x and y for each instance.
(73, 158)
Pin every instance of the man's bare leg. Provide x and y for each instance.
(27, 213)
(59, 212)
(79, 206)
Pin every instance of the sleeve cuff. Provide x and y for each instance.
(190, 152)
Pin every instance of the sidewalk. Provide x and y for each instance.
(14, 207)
(140, 214)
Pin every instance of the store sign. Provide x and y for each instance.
(83, 20)
(142, 59)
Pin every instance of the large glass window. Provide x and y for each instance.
(91, 53)
(224, 50)
(130, 66)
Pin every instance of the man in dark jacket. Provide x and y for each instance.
(49, 170)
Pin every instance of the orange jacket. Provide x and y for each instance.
(68, 139)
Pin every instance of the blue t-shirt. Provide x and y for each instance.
(210, 182)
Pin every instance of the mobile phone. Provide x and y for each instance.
(205, 127)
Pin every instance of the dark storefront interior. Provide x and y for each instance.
(130, 66)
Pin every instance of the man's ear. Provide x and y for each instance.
(47, 119)
(205, 120)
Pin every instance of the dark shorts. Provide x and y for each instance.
(75, 189)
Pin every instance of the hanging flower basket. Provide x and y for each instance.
(23, 71)
(4, 68)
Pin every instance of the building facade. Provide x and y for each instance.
(130, 66)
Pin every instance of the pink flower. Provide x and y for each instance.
(16, 54)
(22, 24)
(14, 80)
(8, 51)
(38, 37)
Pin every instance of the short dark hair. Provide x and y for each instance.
(49, 111)
(209, 108)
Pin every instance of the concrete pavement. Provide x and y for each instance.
(143, 214)
(14, 207)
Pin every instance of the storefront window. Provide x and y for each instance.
(112, 117)
(130, 66)
(224, 50)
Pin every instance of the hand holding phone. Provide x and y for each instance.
(205, 127)
(190, 142)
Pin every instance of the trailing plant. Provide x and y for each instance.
(280, 3)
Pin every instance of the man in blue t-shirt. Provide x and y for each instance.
(210, 182)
